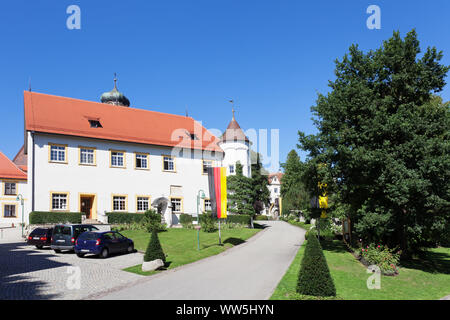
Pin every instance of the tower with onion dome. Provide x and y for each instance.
(115, 97)
(236, 146)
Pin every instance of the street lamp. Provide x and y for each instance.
(200, 195)
(20, 197)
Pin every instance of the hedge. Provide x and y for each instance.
(43, 217)
(124, 217)
(314, 278)
(261, 217)
(231, 218)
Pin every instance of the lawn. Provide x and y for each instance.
(427, 278)
(180, 245)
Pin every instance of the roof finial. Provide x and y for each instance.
(115, 80)
(232, 108)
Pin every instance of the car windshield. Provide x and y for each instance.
(62, 230)
(38, 231)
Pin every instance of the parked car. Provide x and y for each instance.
(65, 235)
(40, 237)
(102, 243)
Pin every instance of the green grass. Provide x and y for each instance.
(424, 278)
(180, 245)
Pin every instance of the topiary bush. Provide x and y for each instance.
(314, 278)
(154, 250)
(152, 221)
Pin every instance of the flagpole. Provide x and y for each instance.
(220, 237)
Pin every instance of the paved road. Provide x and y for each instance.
(32, 274)
(248, 271)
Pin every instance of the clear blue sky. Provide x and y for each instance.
(272, 57)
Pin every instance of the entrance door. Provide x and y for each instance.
(86, 205)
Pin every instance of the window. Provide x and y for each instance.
(117, 159)
(59, 201)
(87, 156)
(206, 164)
(143, 203)
(58, 153)
(95, 124)
(9, 211)
(10, 189)
(207, 205)
(169, 163)
(141, 161)
(176, 204)
(119, 203)
(231, 168)
(275, 190)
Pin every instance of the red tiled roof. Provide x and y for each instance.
(21, 158)
(8, 170)
(61, 115)
(234, 133)
(279, 175)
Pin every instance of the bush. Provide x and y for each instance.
(382, 256)
(261, 217)
(44, 217)
(124, 217)
(314, 278)
(152, 221)
(208, 222)
(154, 250)
(244, 219)
(186, 219)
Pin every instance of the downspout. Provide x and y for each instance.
(32, 174)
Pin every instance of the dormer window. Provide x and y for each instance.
(95, 124)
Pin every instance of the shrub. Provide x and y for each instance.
(207, 222)
(261, 217)
(124, 217)
(314, 278)
(382, 256)
(152, 221)
(43, 217)
(186, 219)
(244, 219)
(154, 250)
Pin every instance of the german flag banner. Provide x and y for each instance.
(217, 182)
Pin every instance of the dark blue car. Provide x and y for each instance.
(102, 244)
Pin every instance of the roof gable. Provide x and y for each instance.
(8, 170)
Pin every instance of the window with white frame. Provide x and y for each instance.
(208, 205)
(169, 163)
(87, 156)
(141, 161)
(59, 201)
(143, 203)
(176, 204)
(117, 159)
(206, 164)
(57, 153)
(119, 203)
(9, 210)
(10, 189)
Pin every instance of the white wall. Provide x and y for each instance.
(104, 181)
(21, 188)
(234, 152)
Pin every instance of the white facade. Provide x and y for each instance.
(236, 151)
(275, 189)
(9, 203)
(102, 182)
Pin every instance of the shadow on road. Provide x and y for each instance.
(17, 259)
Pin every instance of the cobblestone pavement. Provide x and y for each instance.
(29, 273)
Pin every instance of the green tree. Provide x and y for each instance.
(385, 139)
(240, 193)
(293, 190)
(260, 182)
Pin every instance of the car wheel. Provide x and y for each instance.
(80, 255)
(39, 246)
(130, 248)
(57, 250)
(104, 254)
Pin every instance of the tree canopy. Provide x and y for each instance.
(384, 135)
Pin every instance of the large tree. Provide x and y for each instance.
(293, 191)
(384, 136)
(260, 182)
(240, 193)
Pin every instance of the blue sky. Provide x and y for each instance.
(272, 57)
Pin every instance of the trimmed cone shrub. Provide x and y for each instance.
(154, 250)
(314, 278)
